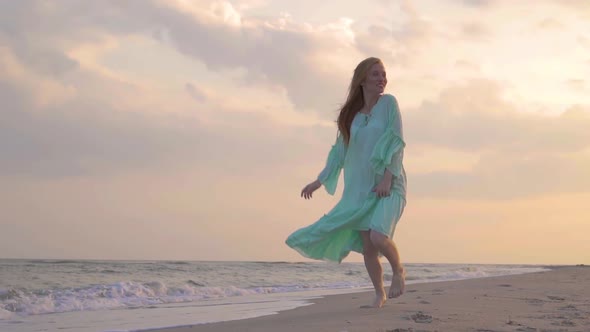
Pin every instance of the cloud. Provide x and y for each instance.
(474, 116)
(575, 5)
(401, 44)
(83, 138)
(550, 23)
(417, 28)
(467, 65)
(374, 41)
(478, 3)
(520, 153)
(504, 176)
(61, 118)
(577, 84)
(289, 57)
(89, 127)
(215, 35)
(98, 130)
(584, 41)
(475, 31)
(195, 92)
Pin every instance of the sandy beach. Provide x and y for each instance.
(557, 300)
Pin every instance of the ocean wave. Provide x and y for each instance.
(70, 288)
(61, 261)
(130, 295)
(177, 262)
(109, 271)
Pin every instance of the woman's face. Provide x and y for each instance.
(376, 80)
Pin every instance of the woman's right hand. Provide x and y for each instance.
(310, 188)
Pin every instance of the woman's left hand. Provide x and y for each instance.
(383, 188)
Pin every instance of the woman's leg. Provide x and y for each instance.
(374, 268)
(389, 250)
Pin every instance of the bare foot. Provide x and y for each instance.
(398, 283)
(380, 299)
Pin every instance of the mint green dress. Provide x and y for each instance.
(376, 144)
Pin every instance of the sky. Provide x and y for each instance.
(185, 130)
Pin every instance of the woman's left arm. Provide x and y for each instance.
(388, 153)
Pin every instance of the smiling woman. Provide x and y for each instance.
(369, 148)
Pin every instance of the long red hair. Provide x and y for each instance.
(355, 99)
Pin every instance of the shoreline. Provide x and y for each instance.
(551, 301)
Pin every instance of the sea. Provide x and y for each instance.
(117, 296)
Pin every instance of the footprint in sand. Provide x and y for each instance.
(535, 301)
(568, 307)
(437, 292)
(565, 322)
(527, 329)
(421, 317)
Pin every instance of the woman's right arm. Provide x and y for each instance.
(331, 172)
(334, 163)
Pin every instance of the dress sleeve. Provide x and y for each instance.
(330, 174)
(389, 150)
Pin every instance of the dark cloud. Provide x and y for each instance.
(196, 93)
(44, 60)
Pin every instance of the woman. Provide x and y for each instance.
(369, 147)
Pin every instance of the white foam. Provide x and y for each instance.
(131, 295)
(169, 315)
